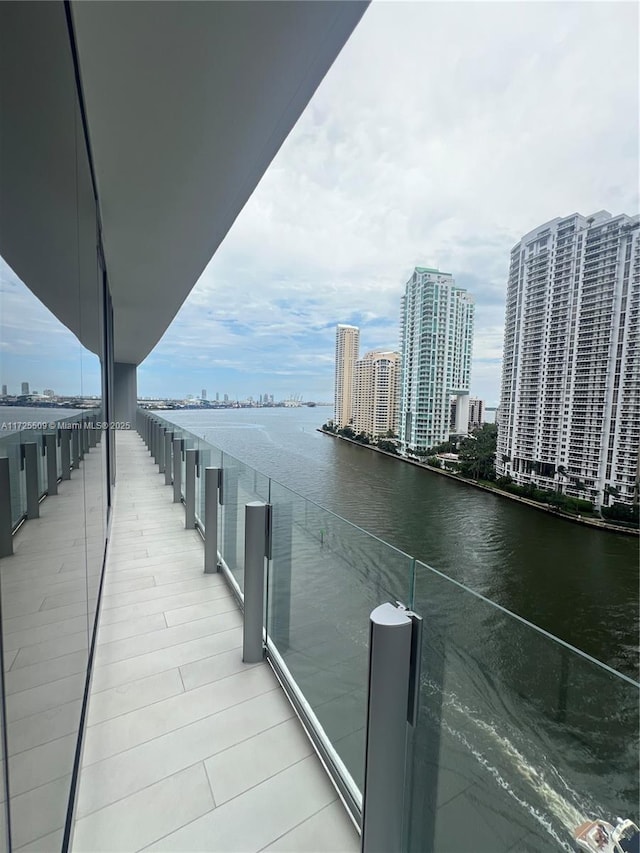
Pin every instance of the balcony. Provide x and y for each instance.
(187, 747)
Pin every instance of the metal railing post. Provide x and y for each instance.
(394, 682)
(85, 437)
(6, 538)
(29, 453)
(191, 461)
(177, 470)
(211, 486)
(93, 432)
(256, 547)
(52, 463)
(161, 447)
(64, 437)
(168, 444)
(75, 449)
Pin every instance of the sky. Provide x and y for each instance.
(442, 134)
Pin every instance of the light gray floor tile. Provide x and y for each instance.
(276, 806)
(146, 608)
(28, 677)
(53, 648)
(113, 586)
(130, 628)
(166, 637)
(248, 763)
(44, 617)
(42, 764)
(39, 812)
(151, 721)
(143, 817)
(45, 697)
(201, 611)
(329, 830)
(210, 669)
(127, 772)
(40, 728)
(136, 694)
(114, 674)
(141, 595)
(9, 658)
(47, 844)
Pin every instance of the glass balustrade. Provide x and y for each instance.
(519, 737)
(11, 447)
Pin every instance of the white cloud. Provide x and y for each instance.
(443, 133)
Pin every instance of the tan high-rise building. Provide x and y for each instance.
(347, 352)
(375, 393)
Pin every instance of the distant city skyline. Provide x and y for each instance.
(440, 159)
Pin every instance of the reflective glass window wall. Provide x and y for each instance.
(56, 459)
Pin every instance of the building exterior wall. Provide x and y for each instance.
(570, 403)
(375, 395)
(347, 352)
(476, 414)
(436, 346)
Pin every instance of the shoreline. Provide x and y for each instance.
(596, 524)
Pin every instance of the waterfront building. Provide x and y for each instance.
(375, 393)
(24, 390)
(436, 346)
(4, 390)
(476, 413)
(347, 352)
(569, 415)
(204, 393)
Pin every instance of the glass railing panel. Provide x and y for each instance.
(325, 577)
(209, 457)
(520, 737)
(240, 484)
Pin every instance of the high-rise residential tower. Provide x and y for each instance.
(25, 389)
(347, 351)
(375, 393)
(570, 404)
(436, 344)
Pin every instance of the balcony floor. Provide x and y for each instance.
(187, 748)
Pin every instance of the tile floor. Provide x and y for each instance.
(187, 748)
(49, 589)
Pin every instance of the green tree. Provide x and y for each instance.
(347, 432)
(477, 453)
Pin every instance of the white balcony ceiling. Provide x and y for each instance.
(187, 103)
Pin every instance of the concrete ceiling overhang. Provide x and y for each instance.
(187, 103)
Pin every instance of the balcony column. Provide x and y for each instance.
(125, 392)
(50, 440)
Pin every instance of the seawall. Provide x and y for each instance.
(463, 481)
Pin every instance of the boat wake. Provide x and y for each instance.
(557, 804)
